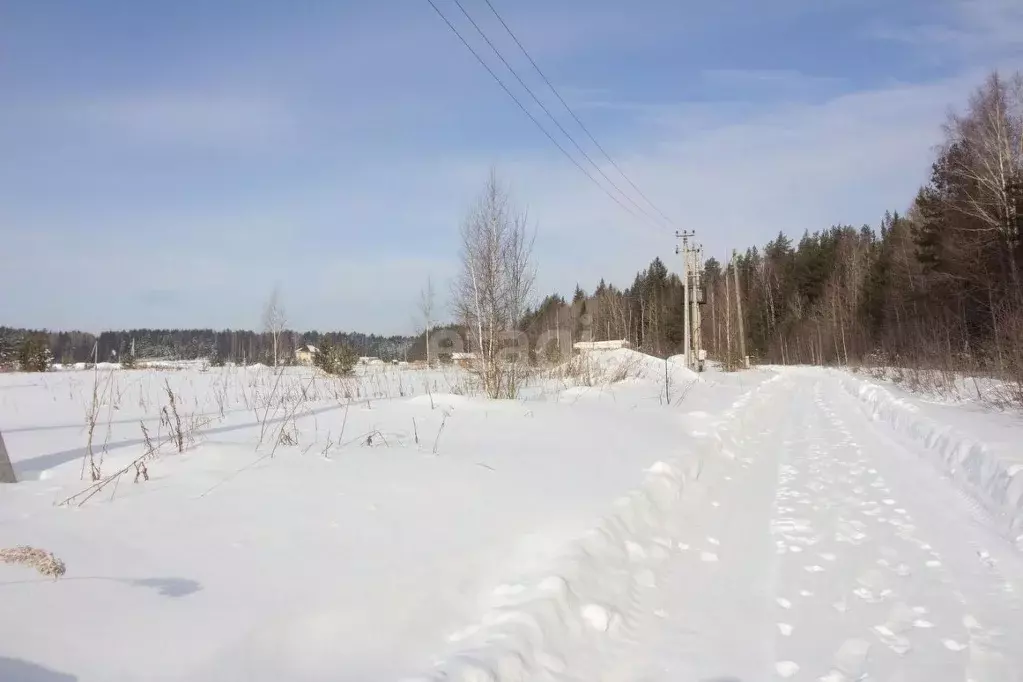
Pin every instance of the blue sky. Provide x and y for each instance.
(167, 164)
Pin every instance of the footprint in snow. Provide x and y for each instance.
(784, 603)
(849, 662)
(785, 629)
(953, 645)
(896, 643)
(708, 557)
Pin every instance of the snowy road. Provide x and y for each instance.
(777, 523)
(825, 550)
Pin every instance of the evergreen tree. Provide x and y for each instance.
(579, 295)
(34, 354)
(338, 359)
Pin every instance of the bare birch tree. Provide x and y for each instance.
(494, 287)
(990, 139)
(274, 320)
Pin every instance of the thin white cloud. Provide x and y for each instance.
(784, 79)
(187, 117)
(969, 28)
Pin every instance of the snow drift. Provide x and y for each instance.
(576, 613)
(624, 364)
(996, 481)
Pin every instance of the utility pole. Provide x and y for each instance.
(697, 301)
(684, 235)
(728, 323)
(738, 310)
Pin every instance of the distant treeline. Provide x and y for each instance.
(240, 346)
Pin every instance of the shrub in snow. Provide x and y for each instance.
(39, 559)
(34, 354)
(336, 359)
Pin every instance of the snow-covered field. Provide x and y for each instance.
(611, 524)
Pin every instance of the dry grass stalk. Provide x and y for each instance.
(269, 402)
(91, 417)
(42, 561)
(176, 430)
(436, 441)
(284, 436)
(327, 447)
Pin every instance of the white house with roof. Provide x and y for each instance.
(306, 355)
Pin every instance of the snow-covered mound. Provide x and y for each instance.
(995, 479)
(624, 364)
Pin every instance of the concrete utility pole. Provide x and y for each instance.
(684, 250)
(697, 307)
(738, 310)
(6, 470)
(728, 322)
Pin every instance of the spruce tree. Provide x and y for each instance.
(34, 354)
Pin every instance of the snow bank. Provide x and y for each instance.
(585, 603)
(624, 363)
(997, 481)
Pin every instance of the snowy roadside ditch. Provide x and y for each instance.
(574, 614)
(970, 462)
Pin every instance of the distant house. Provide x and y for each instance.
(305, 355)
(586, 346)
(464, 359)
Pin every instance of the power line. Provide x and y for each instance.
(573, 114)
(527, 113)
(551, 116)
